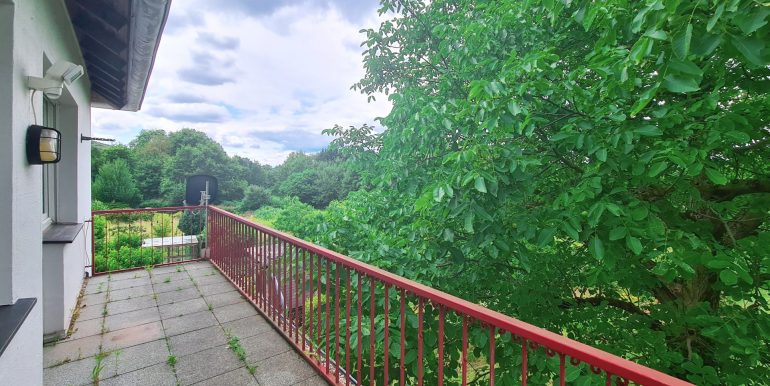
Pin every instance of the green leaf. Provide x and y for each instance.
(738, 137)
(648, 131)
(716, 176)
(546, 236)
(717, 264)
(597, 248)
(657, 168)
(686, 67)
(617, 233)
(656, 34)
(728, 277)
(469, 222)
(514, 108)
(634, 245)
(750, 48)
(714, 19)
(681, 42)
(601, 154)
(644, 99)
(681, 84)
(751, 20)
(571, 231)
(480, 185)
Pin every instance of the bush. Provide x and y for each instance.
(192, 222)
(162, 225)
(254, 198)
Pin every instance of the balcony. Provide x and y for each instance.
(232, 302)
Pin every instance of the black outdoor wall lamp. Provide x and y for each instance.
(43, 145)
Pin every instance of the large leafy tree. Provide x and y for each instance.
(602, 166)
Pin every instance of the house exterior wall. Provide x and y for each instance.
(31, 30)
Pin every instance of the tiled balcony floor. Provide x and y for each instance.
(171, 326)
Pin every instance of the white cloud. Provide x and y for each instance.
(262, 84)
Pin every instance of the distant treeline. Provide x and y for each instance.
(151, 172)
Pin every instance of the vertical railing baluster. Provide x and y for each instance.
(420, 312)
(441, 316)
(310, 311)
(386, 354)
(371, 332)
(562, 371)
(347, 327)
(464, 358)
(327, 321)
(523, 362)
(402, 319)
(337, 320)
(359, 334)
(492, 356)
(319, 306)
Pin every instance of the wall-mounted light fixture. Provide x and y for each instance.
(43, 145)
(53, 82)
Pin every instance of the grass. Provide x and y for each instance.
(235, 345)
(171, 360)
(211, 307)
(179, 268)
(167, 280)
(97, 370)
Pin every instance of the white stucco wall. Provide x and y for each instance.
(29, 31)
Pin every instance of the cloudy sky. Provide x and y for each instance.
(263, 78)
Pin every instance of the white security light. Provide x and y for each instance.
(60, 73)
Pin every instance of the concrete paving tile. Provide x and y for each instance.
(237, 377)
(170, 276)
(130, 319)
(224, 299)
(210, 279)
(218, 288)
(173, 285)
(234, 311)
(177, 296)
(187, 323)
(73, 373)
(184, 307)
(206, 364)
(315, 380)
(71, 350)
(157, 375)
(136, 357)
(128, 305)
(198, 340)
(168, 269)
(198, 265)
(93, 299)
(97, 279)
(95, 287)
(132, 336)
(283, 370)
(91, 312)
(203, 272)
(265, 345)
(130, 293)
(246, 327)
(128, 283)
(84, 328)
(127, 275)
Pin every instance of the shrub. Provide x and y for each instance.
(192, 222)
(255, 198)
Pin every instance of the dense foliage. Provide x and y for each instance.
(596, 168)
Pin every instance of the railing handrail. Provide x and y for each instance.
(610, 363)
(135, 210)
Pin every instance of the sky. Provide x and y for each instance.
(261, 77)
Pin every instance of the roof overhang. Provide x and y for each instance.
(119, 40)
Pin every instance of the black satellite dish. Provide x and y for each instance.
(196, 185)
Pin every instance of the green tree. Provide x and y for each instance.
(115, 184)
(255, 198)
(594, 168)
(192, 222)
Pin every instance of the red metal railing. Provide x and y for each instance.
(357, 324)
(124, 239)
